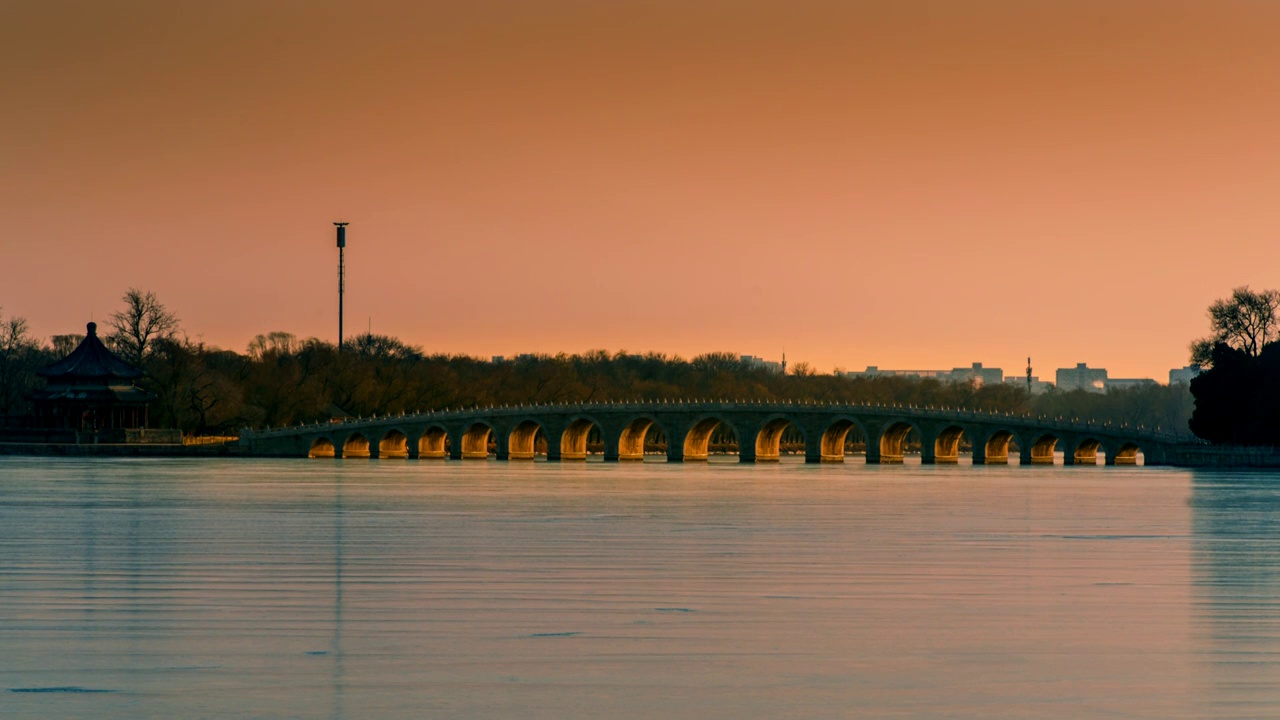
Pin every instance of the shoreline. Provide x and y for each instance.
(120, 450)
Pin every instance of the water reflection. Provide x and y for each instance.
(378, 589)
(335, 647)
(1236, 589)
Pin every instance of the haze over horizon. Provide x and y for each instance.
(901, 184)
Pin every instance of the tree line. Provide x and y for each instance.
(282, 380)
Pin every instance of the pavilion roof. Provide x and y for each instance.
(91, 360)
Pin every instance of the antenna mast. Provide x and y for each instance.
(342, 274)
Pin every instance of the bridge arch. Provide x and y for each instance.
(475, 440)
(356, 446)
(1043, 447)
(894, 437)
(768, 441)
(1125, 454)
(577, 434)
(995, 447)
(525, 438)
(394, 444)
(1086, 451)
(698, 438)
(322, 447)
(433, 444)
(634, 435)
(835, 438)
(946, 445)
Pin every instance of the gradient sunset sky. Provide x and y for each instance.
(904, 184)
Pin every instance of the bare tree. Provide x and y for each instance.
(273, 343)
(803, 369)
(143, 322)
(1245, 321)
(64, 344)
(17, 355)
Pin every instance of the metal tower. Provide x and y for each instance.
(342, 274)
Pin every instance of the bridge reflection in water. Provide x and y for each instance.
(689, 431)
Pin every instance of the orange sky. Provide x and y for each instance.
(905, 184)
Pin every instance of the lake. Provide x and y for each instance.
(404, 589)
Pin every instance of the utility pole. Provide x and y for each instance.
(342, 273)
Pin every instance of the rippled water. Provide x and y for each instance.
(360, 589)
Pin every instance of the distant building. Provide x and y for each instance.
(1082, 377)
(1183, 375)
(1123, 383)
(752, 361)
(498, 359)
(1038, 386)
(977, 374)
(874, 371)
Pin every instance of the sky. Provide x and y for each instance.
(903, 183)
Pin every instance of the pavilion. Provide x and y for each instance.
(91, 389)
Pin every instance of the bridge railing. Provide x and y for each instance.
(930, 412)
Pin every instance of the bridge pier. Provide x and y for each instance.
(503, 443)
(928, 453)
(813, 446)
(813, 449)
(612, 436)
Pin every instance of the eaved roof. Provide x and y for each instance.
(91, 360)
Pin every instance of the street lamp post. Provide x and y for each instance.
(342, 273)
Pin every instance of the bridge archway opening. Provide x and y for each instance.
(641, 436)
(526, 441)
(1129, 454)
(1086, 453)
(393, 444)
(842, 437)
(710, 436)
(951, 441)
(434, 444)
(896, 440)
(321, 448)
(1042, 450)
(779, 437)
(476, 441)
(583, 436)
(356, 446)
(1000, 444)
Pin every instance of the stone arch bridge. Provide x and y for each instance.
(685, 430)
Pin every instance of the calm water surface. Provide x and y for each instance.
(366, 589)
